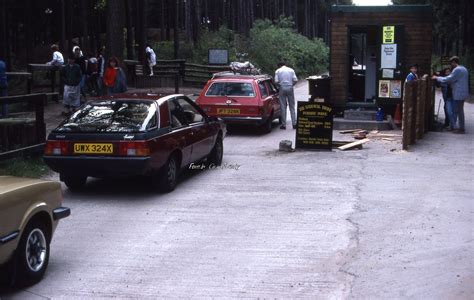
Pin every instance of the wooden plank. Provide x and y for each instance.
(349, 131)
(353, 144)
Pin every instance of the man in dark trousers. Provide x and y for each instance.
(459, 82)
(71, 75)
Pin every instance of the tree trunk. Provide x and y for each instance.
(3, 31)
(114, 46)
(128, 22)
(141, 28)
(162, 20)
(83, 8)
(176, 31)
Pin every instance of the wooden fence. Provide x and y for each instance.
(170, 73)
(418, 110)
(23, 133)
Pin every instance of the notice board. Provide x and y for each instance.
(314, 126)
(218, 56)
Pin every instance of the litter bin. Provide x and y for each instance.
(319, 88)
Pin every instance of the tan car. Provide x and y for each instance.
(30, 210)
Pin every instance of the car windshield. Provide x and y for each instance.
(112, 116)
(242, 89)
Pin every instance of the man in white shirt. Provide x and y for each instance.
(58, 59)
(285, 78)
(151, 57)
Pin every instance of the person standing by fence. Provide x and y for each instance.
(448, 101)
(413, 75)
(58, 59)
(151, 58)
(459, 82)
(71, 76)
(285, 78)
(3, 87)
(81, 61)
(114, 77)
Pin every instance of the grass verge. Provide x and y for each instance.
(24, 167)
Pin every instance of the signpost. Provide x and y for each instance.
(218, 57)
(314, 126)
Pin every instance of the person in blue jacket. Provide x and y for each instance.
(3, 87)
(413, 75)
(459, 82)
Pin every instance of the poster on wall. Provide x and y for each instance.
(387, 73)
(395, 89)
(384, 88)
(389, 56)
(388, 35)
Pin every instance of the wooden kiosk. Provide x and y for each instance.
(371, 49)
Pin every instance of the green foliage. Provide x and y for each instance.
(271, 43)
(30, 167)
(165, 50)
(268, 44)
(224, 38)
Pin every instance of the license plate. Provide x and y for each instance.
(93, 148)
(228, 111)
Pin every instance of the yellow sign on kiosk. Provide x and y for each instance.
(388, 35)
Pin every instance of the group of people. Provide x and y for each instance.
(83, 74)
(454, 83)
(455, 87)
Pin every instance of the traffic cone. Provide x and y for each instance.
(398, 116)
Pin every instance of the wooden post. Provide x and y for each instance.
(429, 105)
(413, 105)
(420, 109)
(39, 101)
(407, 114)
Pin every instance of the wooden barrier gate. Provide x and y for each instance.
(23, 134)
(418, 110)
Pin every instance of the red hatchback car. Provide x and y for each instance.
(241, 99)
(127, 135)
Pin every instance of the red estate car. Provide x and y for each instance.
(127, 135)
(241, 99)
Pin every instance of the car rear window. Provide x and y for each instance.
(242, 89)
(112, 116)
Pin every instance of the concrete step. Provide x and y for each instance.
(352, 114)
(344, 124)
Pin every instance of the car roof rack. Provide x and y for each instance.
(229, 74)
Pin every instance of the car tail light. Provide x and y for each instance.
(134, 148)
(56, 148)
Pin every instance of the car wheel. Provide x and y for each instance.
(75, 183)
(267, 126)
(217, 152)
(169, 175)
(32, 254)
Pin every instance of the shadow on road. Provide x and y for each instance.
(127, 188)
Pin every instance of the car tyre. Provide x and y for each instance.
(267, 126)
(75, 183)
(217, 152)
(32, 254)
(168, 177)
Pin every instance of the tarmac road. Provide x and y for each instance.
(374, 223)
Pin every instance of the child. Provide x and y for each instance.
(114, 77)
